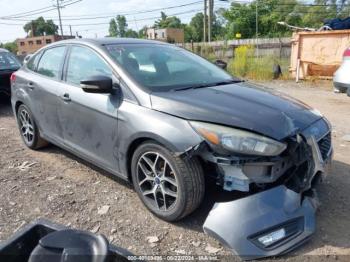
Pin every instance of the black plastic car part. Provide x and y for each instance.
(43, 240)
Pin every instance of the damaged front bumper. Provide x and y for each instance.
(241, 225)
(274, 220)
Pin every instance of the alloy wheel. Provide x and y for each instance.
(26, 126)
(157, 181)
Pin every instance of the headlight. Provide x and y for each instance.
(237, 140)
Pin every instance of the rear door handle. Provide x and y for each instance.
(30, 85)
(65, 97)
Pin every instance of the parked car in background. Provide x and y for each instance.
(8, 64)
(168, 120)
(341, 79)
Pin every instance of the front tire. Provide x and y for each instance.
(28, 129)
(169, 186)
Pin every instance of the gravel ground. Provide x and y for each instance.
(56, 185)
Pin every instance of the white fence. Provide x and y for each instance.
(279, 47)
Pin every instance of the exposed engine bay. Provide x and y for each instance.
(279, 212)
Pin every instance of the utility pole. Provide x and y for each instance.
(59, 15)
(210, 18)
(256, 27)
(205, 22)
(32, 28)
(70, 29)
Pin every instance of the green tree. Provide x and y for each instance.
(168, 22)
(118, 27)
(142, 32)
(316, 15)
(131, 33)
(241, 18)
(10, 46)
(196, 26)
(113, 28)
(40, 27)
(122, 26)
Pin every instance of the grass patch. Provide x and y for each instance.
(246, 65)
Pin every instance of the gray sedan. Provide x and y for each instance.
(174, 124)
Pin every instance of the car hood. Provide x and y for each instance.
(241, 105)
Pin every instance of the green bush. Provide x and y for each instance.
(240, 64)
(246, 65)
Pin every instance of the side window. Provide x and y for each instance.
(83, 63)
(51, 61)
(33, 61)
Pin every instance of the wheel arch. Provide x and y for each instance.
(17, 105)
(136, 142)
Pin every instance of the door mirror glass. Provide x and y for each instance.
(99, 84)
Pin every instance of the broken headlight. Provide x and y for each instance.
(237, 140)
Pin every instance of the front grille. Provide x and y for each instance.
(324, 145)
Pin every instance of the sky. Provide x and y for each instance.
(13, 29)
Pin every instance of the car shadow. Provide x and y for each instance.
(333, 223)
(54, 150)
(5, 105)
(213, 194)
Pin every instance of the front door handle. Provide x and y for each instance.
(65, 97)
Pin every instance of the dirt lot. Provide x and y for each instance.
(54, 184)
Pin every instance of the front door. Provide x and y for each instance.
(89, 121)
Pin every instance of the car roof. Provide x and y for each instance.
(110, 41)
(3, 50)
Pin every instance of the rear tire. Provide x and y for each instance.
(156, 170)
(28, 129)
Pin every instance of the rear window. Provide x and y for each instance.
(51, 61)
(8, 61)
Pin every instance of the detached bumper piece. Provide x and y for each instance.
(265, 224)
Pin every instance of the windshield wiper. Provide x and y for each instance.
(231, 81)
(203, 85)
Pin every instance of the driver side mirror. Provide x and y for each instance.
(99, 84)
(220, 63)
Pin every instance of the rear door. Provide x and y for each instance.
(42, 84)
(89, 121)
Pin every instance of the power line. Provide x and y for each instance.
(38, 11)
(143, 19)
(137, 20)
(109, 15)
(35, 10)
(1, 23)
(151, 10)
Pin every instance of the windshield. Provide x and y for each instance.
(165, 67)
(8, 61)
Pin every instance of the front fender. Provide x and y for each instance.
(136, 122)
